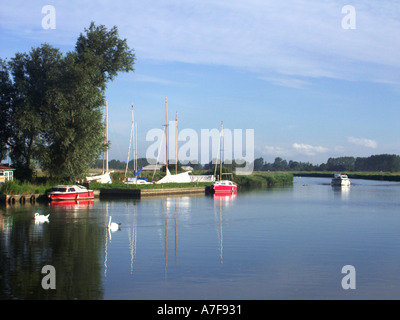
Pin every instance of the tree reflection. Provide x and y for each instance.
(74, 249)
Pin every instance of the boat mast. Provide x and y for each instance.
(222, 141)
(176, 143)
(106, 137)
(136, 149)
(104, 143)
(130, 144)
(166, 134)
(133, 141)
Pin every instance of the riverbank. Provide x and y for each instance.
(15, 191)
(264, 179)
(145, 193)
(257, 179)
(381, 176)
(23, 188)
(122, 186)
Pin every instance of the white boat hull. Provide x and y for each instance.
(340, 181)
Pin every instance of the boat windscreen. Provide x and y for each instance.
(59, 189)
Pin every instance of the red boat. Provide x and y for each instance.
(74, 192)
(224, 186)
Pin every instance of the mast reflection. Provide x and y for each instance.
(222, 199)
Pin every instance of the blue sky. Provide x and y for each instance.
(287, 69)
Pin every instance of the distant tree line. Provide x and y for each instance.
(142, 162)
(382, 162)
(120, 165)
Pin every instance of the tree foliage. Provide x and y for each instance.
(382, 162)
(51, 104)
(5, 108)
(341, 164)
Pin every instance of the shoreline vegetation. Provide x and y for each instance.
(258, 179)
(382, 176)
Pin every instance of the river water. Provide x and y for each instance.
(277, 243)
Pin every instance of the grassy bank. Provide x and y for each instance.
(264, 179)
(120, 185)
(384, 176)
(257, 179)
(17, 187)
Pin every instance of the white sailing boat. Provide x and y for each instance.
(133, 143)
(223, 185)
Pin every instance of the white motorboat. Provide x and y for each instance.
(340, 180)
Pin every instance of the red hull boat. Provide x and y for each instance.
(74, 192)
(224, 186)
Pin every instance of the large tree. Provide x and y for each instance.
(33, 76)
(53, 103)
(6, 90)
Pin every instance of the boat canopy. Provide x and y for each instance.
(175, 178)
(102, 178)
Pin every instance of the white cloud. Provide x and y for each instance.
(157, 80)
(286, 81)
(339, 149)
(301, 148)
(309, 150)
(285, 41)
(275, 151)
(363, 142)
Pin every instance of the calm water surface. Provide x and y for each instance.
(279, 243)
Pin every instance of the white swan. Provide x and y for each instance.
(112, 225)
(41, 218)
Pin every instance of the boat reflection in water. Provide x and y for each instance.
(222, 199)
(73, 204)
(228, 196)
(176, 208)
(341, 192)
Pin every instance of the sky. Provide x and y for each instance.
(312, 79)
